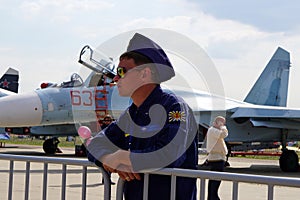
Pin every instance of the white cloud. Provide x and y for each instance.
(61, 9)
(30, 9)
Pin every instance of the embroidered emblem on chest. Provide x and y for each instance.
(176, 116)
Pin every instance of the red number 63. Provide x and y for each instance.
(79, 98)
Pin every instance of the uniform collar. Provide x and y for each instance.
(150, 99)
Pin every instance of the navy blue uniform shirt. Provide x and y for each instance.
(160, 133)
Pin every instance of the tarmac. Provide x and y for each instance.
(95, 188)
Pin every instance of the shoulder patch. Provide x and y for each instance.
(176, 116)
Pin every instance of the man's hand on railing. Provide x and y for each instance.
(120, 162)
(126, 173)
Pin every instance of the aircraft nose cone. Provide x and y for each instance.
(20, 110)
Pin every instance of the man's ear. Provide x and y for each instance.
(146, 72)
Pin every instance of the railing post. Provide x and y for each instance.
(63, 181)
(146, 185)
(45, 181)
(235, 190)
(270, 191)
(107, 184)
(173, 187)
(120, 187)
(84, 177)
(27, 180)
(11, 178)
(202, 188)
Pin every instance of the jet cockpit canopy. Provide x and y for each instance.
(75, 81)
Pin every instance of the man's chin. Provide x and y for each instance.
(122, 94)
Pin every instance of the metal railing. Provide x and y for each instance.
(64, 162)
(202, 175)
(224, 176)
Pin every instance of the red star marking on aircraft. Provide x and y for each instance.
(5, 83)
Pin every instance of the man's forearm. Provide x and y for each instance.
(113, 160)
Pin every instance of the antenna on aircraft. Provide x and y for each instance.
(104, 66)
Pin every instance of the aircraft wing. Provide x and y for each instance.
(270, 117)
(277, 123)
(266, 112)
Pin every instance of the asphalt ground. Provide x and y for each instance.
(95, 188)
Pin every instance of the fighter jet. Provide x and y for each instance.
(58, 109)
(9, 85)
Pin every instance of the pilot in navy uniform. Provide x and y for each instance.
(158, 130)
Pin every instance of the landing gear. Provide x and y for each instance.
(50, 145)
(289, 161)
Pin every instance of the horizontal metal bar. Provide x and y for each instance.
(67, 161)
(246, 178)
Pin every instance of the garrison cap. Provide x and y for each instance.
(145, 46)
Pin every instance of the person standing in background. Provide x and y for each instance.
(217, 152)
(107, 120)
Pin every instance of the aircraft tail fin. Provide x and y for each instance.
(10, 80)
(271, 88)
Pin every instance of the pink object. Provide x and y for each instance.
(84, 132)
(88, 141)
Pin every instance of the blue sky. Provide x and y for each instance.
(43, 38)
(266, 15)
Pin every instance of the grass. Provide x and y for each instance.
(267, 157)
(259, 157)
(39, 142)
